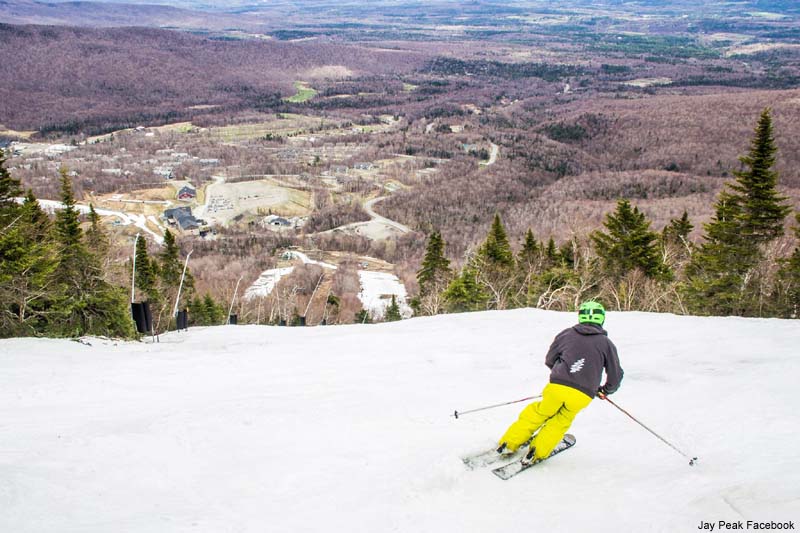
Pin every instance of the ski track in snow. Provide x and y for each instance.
(348, 428)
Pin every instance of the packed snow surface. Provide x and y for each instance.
(377, 289)
(349, 428)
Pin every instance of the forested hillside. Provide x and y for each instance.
(88, 81)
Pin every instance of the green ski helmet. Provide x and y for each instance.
(592, 312)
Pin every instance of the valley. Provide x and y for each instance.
(355, 132)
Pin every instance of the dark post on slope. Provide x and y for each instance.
(692, 460)
(457, 414)
(182, 320)
(142, 316)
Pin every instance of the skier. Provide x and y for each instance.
(576, 358)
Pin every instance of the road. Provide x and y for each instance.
(378, 218)
(492, 156)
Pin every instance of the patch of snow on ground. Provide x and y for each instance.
(376, 293)
(269, 278)
(266, 282)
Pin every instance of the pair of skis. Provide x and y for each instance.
(517, 462)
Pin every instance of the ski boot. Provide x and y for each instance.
(530, 457)
(504, 450)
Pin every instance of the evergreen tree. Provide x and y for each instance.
(716, 273)
(568, 252)
(435, 270)
(73, 266)
(169, 268)
(41, 260)
(10, 189)
(197, 312)
(146, 272)
(723, 276)
(629, 244)
(332, 307)
(27, 261)
(12, 248)
(362, 317)
(675, 243)
(84, 302)
(72, 253)
(529, 263)
(108, 311)
(36, 219)
(205, 311)
(393, 311)
(464, 293)
(493, 265)
(434, 264)
(763, 210)
(96, 238)
(530, 252)
(496, 249)
(214, 312)
(551, 254)
(678, 230)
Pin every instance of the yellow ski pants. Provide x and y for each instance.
(553, 414)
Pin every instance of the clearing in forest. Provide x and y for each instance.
(304, 93)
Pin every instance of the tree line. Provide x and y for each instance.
(52, 279)
(58, 279)
(738, 267)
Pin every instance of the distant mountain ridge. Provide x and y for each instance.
(111, 14)
(69, 77)
(266, 17)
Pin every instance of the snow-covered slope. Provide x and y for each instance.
(348, 428)
(377, 289)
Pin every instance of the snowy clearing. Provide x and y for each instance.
(348, 428)
(377, 289)
(648, 82)
(266, 282)
(269, 278)
(376, 292)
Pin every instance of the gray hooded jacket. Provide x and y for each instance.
(578, 356)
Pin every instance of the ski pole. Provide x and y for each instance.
(457, 414)
(662, 439)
